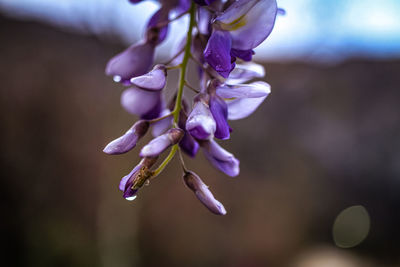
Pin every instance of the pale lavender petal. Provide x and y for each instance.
(249, 22)
(128, 141)
(139, 102)
(161, 143)
(134, 61)
(242, 107)
(163, 125)
(217, 52)
(252, 90)
(194, 183)
(200, 123)
(220, 158)
(219, 110)
(245, 72)
(154, 80)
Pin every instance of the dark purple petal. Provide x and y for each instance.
(200, 123)
(135, 1)
(245, 72)
(203, 2)
(140, 102)
(217, 52)
(194, 183)
(154, 80)
(161, 143)
(242, 107)
(245, 55)
(189, 145)
(155, 33)
(249, 22)
(134, 61)
(219, 111)
(128, 141)
(252, 90)
(220, 158)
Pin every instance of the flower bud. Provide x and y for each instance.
(128, 141)
(200, 123)
(162, 142)
(154, 80)
(132, 182)
(202, 192)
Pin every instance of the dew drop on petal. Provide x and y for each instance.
(117, 78)
(131, 198)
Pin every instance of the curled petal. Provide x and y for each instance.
(128, 141)
(200, 123)
(155, 34)
(252, 90)
(220, 158)
(217, 52)
(219, 111)
(249, 22)
(194, 183)
(161, 143)
(242, 107)
(154, 80)
(134, 61)
(189, 145)
(245, 72)
(245, 55)
(140, 102)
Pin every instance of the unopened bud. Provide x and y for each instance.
(162, 142)
(128, 141)
(154, 80)
(202, 192)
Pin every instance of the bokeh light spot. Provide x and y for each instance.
(351, 227)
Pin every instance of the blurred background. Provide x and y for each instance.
(320, 159)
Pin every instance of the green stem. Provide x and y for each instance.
(178, 103)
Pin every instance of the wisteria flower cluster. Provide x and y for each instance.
(220, 40)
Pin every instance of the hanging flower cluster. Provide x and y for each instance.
(220, 39)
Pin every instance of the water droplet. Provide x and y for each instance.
(147, 182)
(117, 78)
(131, 198)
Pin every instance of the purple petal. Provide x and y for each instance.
(126, 184)
(245, 55)
(217, 52)
(220, 158)
(134, 61)
(154, 80)
(140, 102)
(189, 145)
(245, 72)
(203, 2)
(128, 141)
(158, 34)
(252, 90)
(219, 111)
(249, 22)
(163, 125)
(194, 183)
(161, 143)
(242, 107)
(200, 123)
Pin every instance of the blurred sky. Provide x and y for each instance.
(317, 30)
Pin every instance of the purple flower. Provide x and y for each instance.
(154, 33)
(146, 104)
(245, 55)
(161, 143)
(128, 141)
(194, 183)
(204, 2)
(134, 61)
(187, 144)
(217, 52)
(200, 123)
(132, 182)
(219, 110)
(249, 22)
(163, 125)
(154, 80)
(220, 158)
